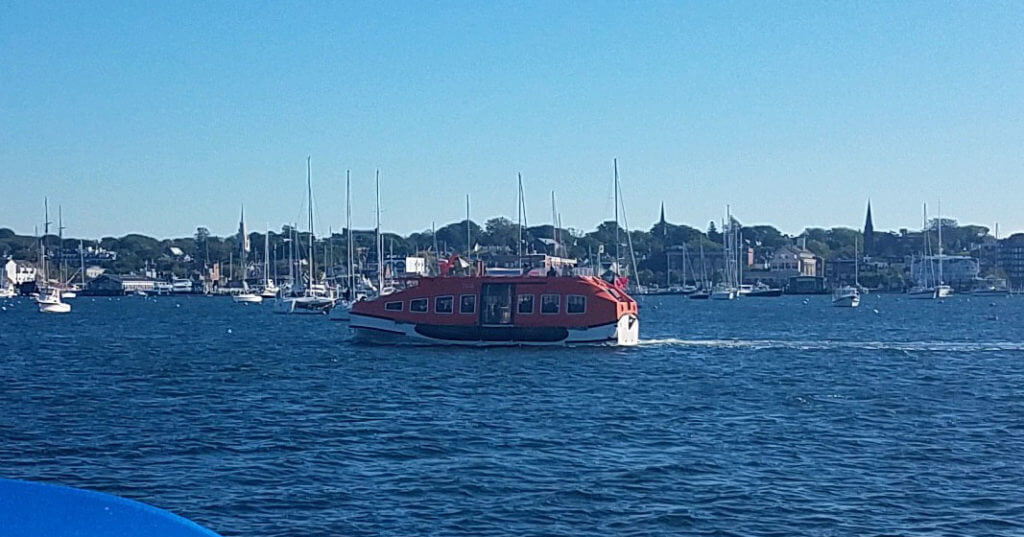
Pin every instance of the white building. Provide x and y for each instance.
(957, 270)
(19, 273)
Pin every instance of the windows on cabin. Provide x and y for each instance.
(550, 304)
(393, 306)
(525, 305)
(575, 304)
(467, 304)
(418, 305)
(444, 304)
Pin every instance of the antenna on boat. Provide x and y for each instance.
(469, 245)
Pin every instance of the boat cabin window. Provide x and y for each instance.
(496, 303)
(550, 303)
(575, 304)
(418, 305)
(393, 306)
(525, 305)
(444, 304)
(467, 304)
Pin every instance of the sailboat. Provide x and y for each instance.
(66, 290)
(728, 289)
(269, 287)
(924, 290)
(941, 290)
(49, 299)
(247, 296)
(704, 292)
(314, 297)
(848, 296)
(342, 310)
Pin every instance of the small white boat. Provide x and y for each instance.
(922, 293)
(846, 296)
(269, 290)
(7, 292)
(721, 292)
(943, 291)
(68, 294)
(50, 302)
(247, 298)
(303, 304)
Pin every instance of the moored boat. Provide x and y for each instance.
(495, 310)
(846, 296)
(50, 302)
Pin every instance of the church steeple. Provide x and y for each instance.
(869, 233)
(661, 222)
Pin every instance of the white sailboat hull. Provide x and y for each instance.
(923, 294)
(54, 307)
(846, 301)
(303, 304)
(247, 298)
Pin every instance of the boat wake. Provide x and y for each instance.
(831, 345)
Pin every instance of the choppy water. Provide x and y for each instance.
(754, 417)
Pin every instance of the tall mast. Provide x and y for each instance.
(519, 216)
(81, 257)
(469, 242)
(60, 244)
(554, 222)
(309, 199)
(380, 244)
(348, 233)
(266, 256)
(615, 163)
(46, 231)
(941, 281)
(856, 263)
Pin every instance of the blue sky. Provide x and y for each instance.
(160, 117)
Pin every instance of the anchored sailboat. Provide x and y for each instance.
(314, 297)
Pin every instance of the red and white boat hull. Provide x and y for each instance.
(369, 329)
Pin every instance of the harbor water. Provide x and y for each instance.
(774, 416)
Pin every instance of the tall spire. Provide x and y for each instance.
(662, 221)
(869, 233)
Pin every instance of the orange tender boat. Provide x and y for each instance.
(500, 310)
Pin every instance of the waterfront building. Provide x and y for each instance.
(116, 285)
(19, 272)
(1011, 259)
(795, 258)
(960, 271)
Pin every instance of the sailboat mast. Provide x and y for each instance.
(554, 222)
(60, 244)
(615, 164)
(81, 257)
(856, 262)
(380, 244)
(309, 199)
(266, 255)
(348, 233)
(519, 216)
(941, 279)
(469, 240)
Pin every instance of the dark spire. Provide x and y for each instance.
(664, 227)
(869, 233)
